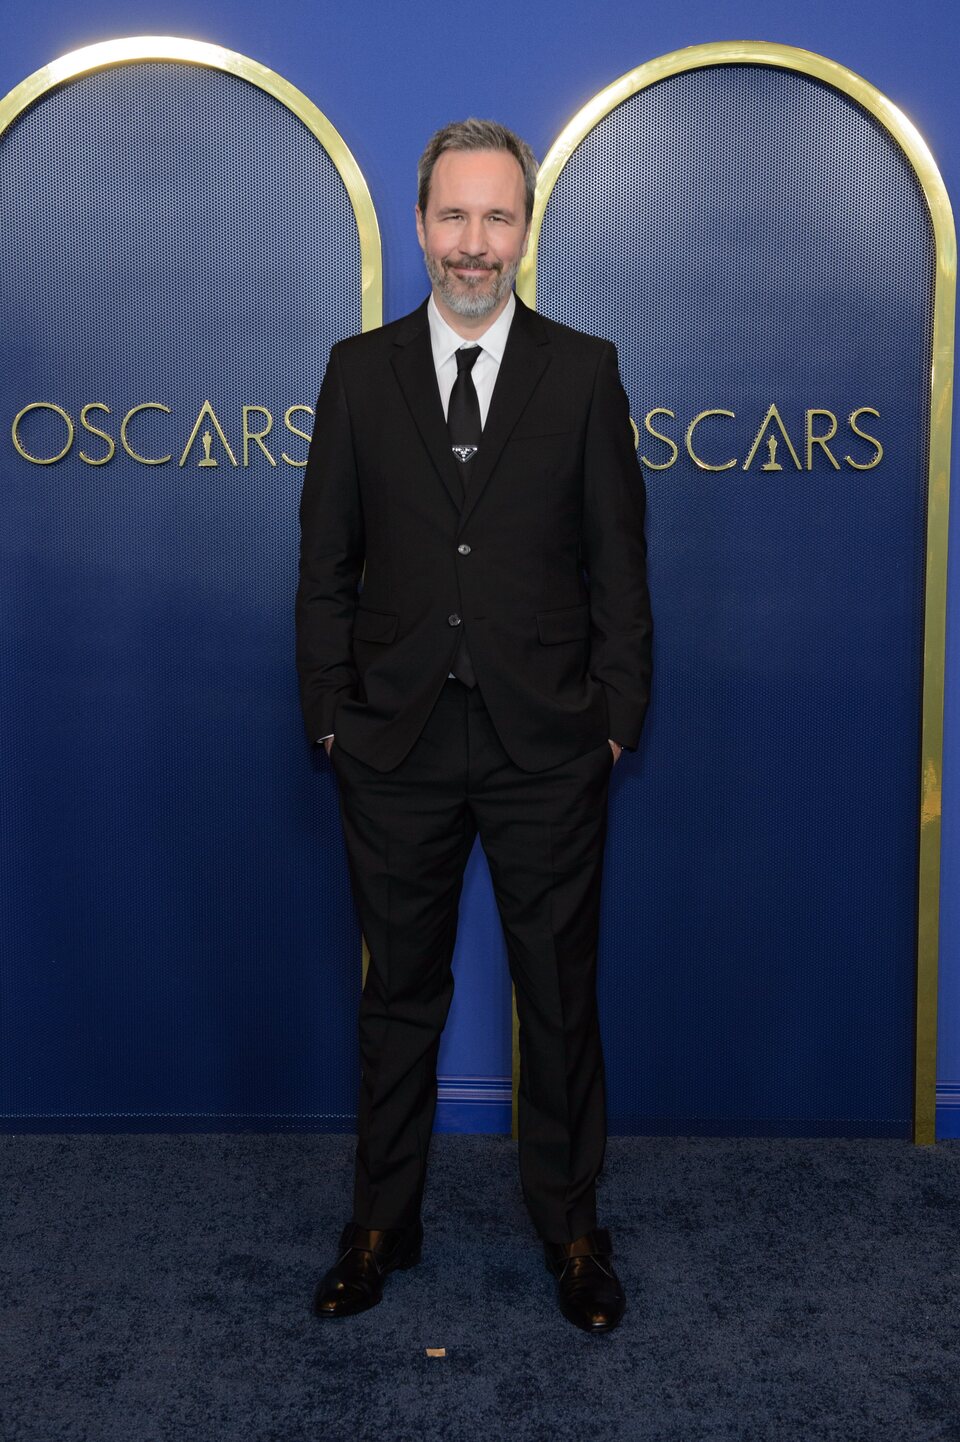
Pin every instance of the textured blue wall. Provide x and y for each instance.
(758, 940)
(171, 853)
(386, 75)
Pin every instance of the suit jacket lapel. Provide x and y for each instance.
(525, 358)
(412, 361)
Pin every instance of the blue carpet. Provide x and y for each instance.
(157, 1289)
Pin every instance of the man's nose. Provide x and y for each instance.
(473, 240)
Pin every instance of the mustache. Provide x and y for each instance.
(469, 264)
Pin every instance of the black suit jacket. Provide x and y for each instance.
(542, 564)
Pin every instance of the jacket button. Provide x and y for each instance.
(464, 549)
(453, 620)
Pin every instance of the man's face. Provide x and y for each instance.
(474, 233)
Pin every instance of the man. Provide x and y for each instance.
(473, 465)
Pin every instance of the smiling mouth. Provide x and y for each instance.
(471, 272)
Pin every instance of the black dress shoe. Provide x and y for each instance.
(589, 1289)
(355, 1281)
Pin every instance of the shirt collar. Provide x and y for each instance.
(445, 340)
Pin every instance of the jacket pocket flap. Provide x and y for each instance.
(571, 623)
(374, 625)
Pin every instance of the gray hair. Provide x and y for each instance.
(476, 135)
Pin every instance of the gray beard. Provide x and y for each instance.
(471, 304)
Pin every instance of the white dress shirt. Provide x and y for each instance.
(486, 368)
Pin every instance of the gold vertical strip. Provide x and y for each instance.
(934, 655)
(903, 131)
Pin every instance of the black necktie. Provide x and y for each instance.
(463, 423)
(463, 412)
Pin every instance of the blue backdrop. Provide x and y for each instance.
(758, 946)
(386, 77)
(172, 864)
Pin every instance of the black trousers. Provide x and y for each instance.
(409, 833)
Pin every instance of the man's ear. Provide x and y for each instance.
(421, 235)
(526, 241)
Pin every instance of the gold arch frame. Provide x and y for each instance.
(807, 62)
(215, 57)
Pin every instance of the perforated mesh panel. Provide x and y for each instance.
(748, 236)
(174, 901)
